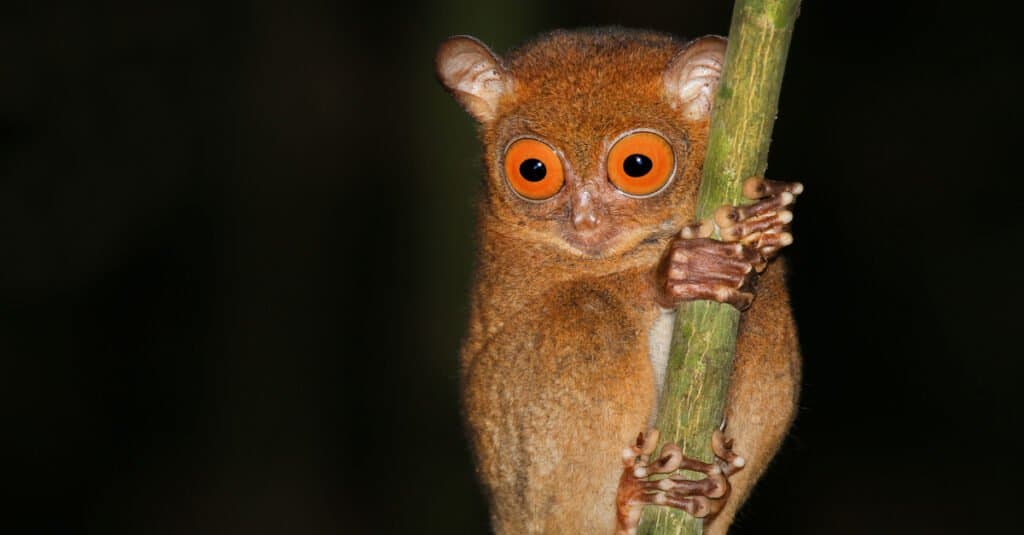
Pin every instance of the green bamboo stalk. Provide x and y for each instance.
(704, 338)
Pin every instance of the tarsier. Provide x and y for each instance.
(593, 147)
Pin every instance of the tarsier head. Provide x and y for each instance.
(593, 139)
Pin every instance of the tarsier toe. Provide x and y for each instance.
(757, 187)
(669, 461)
(697, 230)
(732, 462)
(726, 216)
(742, 301)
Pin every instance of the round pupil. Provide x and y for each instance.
(637, 165)
(533, 170)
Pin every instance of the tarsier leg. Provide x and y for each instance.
(697, 267)
(701, 498)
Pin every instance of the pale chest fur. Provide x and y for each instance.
(659, 339)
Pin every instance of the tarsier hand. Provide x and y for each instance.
(696, 266)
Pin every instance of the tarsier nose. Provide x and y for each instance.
(584, 212)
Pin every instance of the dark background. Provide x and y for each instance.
(235, 240)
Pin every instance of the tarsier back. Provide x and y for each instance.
(593, 142)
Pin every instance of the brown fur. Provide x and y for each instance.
(556, 378)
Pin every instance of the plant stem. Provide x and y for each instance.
(704, 339)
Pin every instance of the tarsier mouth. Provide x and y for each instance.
(610, 240)
(593, 242)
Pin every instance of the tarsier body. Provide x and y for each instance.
(593, 148)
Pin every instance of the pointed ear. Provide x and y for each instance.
(692, 77)
(474, 76)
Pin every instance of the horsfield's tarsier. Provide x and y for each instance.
(593, 143)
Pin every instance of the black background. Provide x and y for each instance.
(235, 240)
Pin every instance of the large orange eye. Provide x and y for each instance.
(641, 164)
(533, 169)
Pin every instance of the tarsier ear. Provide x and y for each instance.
(474, 76)
(692, 77)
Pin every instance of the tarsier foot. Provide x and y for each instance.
(698, 267)
(701, 498)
